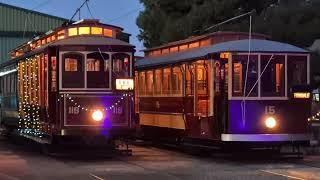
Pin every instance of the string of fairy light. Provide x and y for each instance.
(87, 108)
(29, 94)
(315, 117)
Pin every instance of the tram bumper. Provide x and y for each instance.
(301, 139)
(111, 133)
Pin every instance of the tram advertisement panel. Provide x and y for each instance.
(80, 110)
(251, 118)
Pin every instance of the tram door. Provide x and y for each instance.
(220, 81)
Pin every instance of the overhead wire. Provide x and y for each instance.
(125, 14)
(27, 18)
(243, 102)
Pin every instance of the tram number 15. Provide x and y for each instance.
(270, 110)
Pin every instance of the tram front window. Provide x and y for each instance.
(297, 70)
(98, 69)
(273, 77)
(240, 79)
(73, 71)
(121, 65)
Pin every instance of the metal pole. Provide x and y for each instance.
(226, 21)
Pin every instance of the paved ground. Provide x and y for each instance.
(19, 162)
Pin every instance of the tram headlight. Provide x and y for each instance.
(97, 115)
(270, 122)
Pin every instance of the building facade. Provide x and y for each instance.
(19, 25)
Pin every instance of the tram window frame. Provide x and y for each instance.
(265, 81)
(100, 75)
(242, 59)
(76, 77)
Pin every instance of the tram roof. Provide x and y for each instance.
(257, 45)
(77, 40)
(90, 40)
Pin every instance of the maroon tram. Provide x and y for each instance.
(73, 81)
(216, 88)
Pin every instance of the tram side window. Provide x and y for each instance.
(73, 74)
(273, 77)
(142, 83)
(190, 79)
(176, 81)
(158, 81)
(149, 82)
(166, 79)
(98, 70)
(202, 79)
(297, 70)
(121, 65)
(240, 79)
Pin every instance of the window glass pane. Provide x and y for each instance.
(194, 45)
(149, 82)
(297, 70)
(166, 79)
(240, 79)
(107, 32)
(84, 30)
(93, 65)
(176, 81)
(73, 71)
(136, 92)
(71, 64)
(237, 78)
(61, 34)
(183, 47)
(48, 39)
(202, 78)
(158, 81)
(73, 31)
(205, 42)
(142, 83)
(272, 80)
(121, 65)
(96, 30)
(189, 79)
(174, 49)
(98, 70)
(203, 81)
(165, 51)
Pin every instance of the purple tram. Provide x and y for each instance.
(74, 82)
(213, 89)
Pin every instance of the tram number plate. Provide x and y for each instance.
(269, 110)
(73, 110)
(117, 110)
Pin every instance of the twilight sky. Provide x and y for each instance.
(121, 13)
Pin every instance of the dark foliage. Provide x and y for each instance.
(294, 21)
